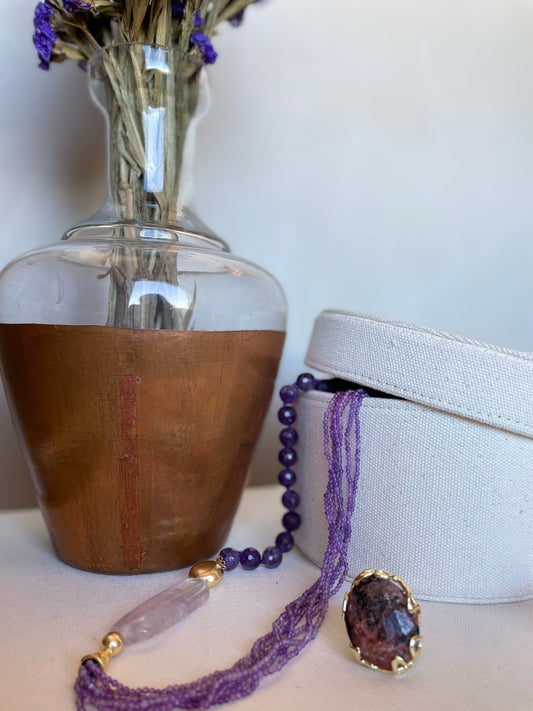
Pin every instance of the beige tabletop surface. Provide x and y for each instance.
(474, 657)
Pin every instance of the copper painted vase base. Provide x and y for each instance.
(138, 441)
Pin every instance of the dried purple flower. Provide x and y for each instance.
(44, 37)
(204, 45)
(70, 29)
(178, 10)
(43, 11)
(237, 19)
(73, 5)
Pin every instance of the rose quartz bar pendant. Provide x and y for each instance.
(162, 611)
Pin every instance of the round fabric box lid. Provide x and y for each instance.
(446, 372)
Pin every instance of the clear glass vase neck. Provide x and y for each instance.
(153, 99)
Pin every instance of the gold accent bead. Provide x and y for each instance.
(210, 571)
(112, 646)
(114, 642)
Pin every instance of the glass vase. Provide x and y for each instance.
(138, 355)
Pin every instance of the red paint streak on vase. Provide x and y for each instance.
(129, 474)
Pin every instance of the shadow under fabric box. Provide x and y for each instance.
(446, 478)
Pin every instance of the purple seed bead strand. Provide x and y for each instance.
(251, 558)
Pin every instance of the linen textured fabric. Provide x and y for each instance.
(444, 497)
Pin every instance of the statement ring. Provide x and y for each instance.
(383, 622)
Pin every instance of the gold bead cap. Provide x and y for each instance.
(210, 571)
(112, 646)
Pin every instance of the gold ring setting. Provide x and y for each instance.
(383, 622)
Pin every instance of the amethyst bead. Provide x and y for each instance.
(289, 393)
(287, 457)
(284, 541)
(291, 520)
(287, 415)
(288, 436)
(291, 500)
(306, 382)
(287, 477)
(272, 557)
(231, 557)
(250, 559)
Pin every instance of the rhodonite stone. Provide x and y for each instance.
(379, 622)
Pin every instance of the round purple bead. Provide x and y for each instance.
(231, 557)
(284, 541)
(288, 436)
(287, 457)
(287, 415)
(291, 500)
(287, 477)
(250, 558)
(289, 393)
(291, 521)
(306, 382)
(272, 557)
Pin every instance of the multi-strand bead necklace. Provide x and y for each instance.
(299, 622)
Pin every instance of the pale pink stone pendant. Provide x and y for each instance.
(162, 611)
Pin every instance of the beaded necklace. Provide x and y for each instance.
(299, 622)
(250, 558)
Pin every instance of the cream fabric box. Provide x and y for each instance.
(445, 490)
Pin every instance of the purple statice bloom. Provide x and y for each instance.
(43, 11)
(178, 10)
(204, 45)
(44, 37)
(237, 19)
(73, 5)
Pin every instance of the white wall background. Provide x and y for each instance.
(375, 156)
